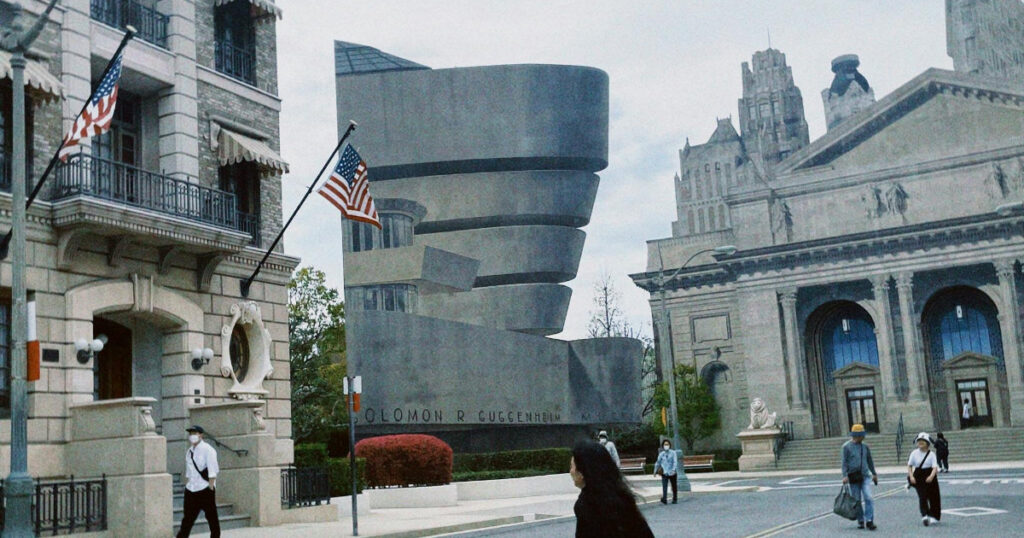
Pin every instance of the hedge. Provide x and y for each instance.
(406, 460)
(341, 476)
(548, 460)
(469, 476)
(311, 455)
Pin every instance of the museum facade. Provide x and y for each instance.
(877, 271)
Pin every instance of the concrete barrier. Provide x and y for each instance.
(417, 497)
(507, 488)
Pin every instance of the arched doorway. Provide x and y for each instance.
(840, 335)
(957, 321)
(112, 369)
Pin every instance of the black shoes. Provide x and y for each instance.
(871, 525)
(663, 501)
(860, 524)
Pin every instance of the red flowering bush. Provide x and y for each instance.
(406, 460)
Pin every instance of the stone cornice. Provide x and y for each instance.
(277, 262)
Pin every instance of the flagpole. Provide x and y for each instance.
(129, 34)
(247, 282)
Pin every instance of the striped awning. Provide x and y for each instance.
(37, 77)
(264, 6)
(234, 147)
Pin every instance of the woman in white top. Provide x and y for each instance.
(922, 471)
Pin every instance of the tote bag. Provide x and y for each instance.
(846, 505)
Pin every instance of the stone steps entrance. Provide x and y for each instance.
(225, 513)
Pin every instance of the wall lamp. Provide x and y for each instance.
(201, 357)
(88, 350)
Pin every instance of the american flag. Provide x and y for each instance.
(349, 190)
(96, 117)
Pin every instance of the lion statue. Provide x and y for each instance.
(760, 418)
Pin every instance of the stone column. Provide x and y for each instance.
(1009, 324)
(912, 355)
(883, 332)
(794, 352)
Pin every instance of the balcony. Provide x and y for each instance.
(151, 24)
(235, 62)
(96, 196)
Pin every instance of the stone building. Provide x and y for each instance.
(483, 177)
(986, 37)
(140, 241)
(878, 267)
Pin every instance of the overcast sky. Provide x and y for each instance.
(674, 66)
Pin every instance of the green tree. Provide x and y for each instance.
(698, 411)
(316, 336)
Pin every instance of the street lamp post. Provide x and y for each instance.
(18, 487)
(667, 357)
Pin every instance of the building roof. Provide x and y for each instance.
(356, 59)
(725, 132)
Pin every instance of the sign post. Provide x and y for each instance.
(355, 383)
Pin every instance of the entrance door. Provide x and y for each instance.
(974, 392)
(860, 405)
(112, 367)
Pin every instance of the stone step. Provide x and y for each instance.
(226, 522)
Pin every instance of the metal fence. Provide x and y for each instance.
(235, 62)
(308, 486)
(151, 24)
(250, 224)
(66, 506)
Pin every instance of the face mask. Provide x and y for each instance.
(664, 447)
(193, 438)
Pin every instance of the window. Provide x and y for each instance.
(235, 41)
(239, 350)
(388, 297)
(243, 180)
(848, 337)
(121, 142)
(395, 231)
(5, 357)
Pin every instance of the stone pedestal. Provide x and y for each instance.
(758, 448)
(252, 481)
(118, 438)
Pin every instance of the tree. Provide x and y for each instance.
(697, 409)
(316, 337)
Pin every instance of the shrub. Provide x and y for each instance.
(469, 476)
(406, 460)
(311, 455)
(547, 460)
(341, 476)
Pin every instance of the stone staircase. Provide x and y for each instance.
(225, 512)
(965, 446)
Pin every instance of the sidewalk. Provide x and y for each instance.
(471, 515)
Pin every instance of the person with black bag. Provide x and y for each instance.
(859, 474)
(942, 452)
(923, 474)
(201, 471)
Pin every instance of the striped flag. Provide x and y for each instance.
(95, 118)
(349, 190)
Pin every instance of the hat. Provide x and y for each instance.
(602, 433)
(196, 429)
(923, 436)
(857, 430)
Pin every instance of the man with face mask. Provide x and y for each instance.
(201, 471)
(602, 437)
(668, 463)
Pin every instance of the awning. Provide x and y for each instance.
(37, 77)
(265, 6)
(234, 147)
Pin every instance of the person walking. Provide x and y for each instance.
(942, 452)
(923, 471)
(965, 414)
(606, 507)
(857, 464)
(668, 463)
(602, 437)
(201, 471)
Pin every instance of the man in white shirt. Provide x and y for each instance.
(201, 471)
(602, 438)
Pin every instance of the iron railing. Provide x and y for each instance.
(241, 453)
(151, 24)
(780, 441)
(307, 486)
(67, 506)
(118, 182)
(235, 62)
(250, 224)
(899, 440)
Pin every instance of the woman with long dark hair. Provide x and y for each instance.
(606, 507)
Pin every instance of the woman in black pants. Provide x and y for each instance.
(942, 452)
(923, 471)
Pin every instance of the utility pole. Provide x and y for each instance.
(18, 488)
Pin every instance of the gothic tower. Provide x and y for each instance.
(772, 119)
(986, 37)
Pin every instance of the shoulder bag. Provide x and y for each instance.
(205, 473)
(846, 505)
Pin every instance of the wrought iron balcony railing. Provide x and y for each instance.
(235, 62)
(117, 182)
(151, 24)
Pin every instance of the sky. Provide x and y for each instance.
(674, 67)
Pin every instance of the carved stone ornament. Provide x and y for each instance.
(760, 418)
(248, 383)
(147, 426)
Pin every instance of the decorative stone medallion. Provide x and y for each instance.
(245, 351)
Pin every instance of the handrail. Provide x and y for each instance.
(241, 453)
(780, 441)
(899, 440)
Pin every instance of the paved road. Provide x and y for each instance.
(979, 503)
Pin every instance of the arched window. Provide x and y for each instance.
(848, 337)
(961, 321)
(689, 221)
(714, 373)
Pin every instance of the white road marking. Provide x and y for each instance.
(971, 511)
(793, 480)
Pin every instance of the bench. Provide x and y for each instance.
(703, 461)
(632, 464)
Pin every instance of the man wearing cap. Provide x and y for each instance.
(602, 437)
(857, 466)
(201, 471)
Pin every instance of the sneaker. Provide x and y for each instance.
(860, 524)
(926, 520)
(933, 520)
(871, 525)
